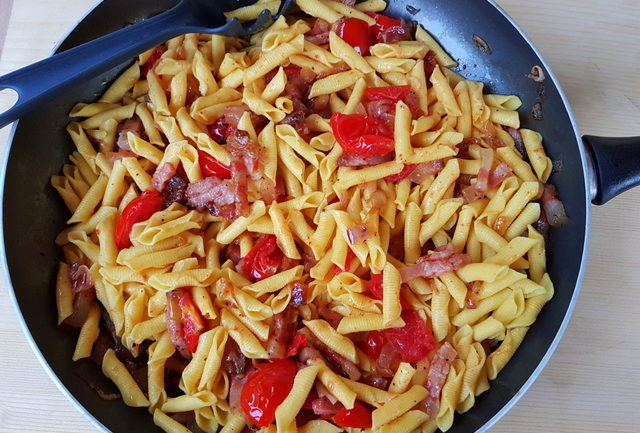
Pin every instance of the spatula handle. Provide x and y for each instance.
(47, 79)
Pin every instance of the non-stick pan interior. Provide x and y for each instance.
(33, 214)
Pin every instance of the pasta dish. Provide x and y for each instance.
(318, 228)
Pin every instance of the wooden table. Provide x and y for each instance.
(592, 383)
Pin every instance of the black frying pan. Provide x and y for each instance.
(40, 146)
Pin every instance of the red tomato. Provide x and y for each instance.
(370, 145)
(266, 389)
(414, 340)
(348, 127)
(192, 321)
(406, 171)
(209, 166)
(298, 343)
(358, 417)
(264, 258)
(153, 59)
(391, 93)
(356, 33)
(373, 344)
(139, 209)
(375, 285)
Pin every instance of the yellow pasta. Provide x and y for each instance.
(273, 226)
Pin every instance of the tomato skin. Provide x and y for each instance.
(356, 33)
(358, 417)
(139, 209)
(209, 166)
(192, 321)
(266, 389)
(414, 340)
(347, 263)
(391, 93)
(375, 285)
(373, 344)
(360, 135)
(264, 258)
(298, 343)
(385, 23)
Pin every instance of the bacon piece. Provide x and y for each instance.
(130, 125)
(284, 328)
(162, 175)
(440, 261)
(360, 161)
(384, 112)
(436, 377)
(115, 156)
(359, 234)
(347, 367)
(175, 190)
(235, 392)
(517, 138)
(323, 407)
(329, 315)
(298, 85)
(309, 353)
(80, 277)
(553, 207)
(499, 174)
(479, 189)
(319, 33)
(394, 34)
(173, 315)
(235, 363)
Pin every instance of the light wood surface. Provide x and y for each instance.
(592, 383)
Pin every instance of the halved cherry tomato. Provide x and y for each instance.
(358, 417)
(414, 340)
(298, 343)
(264, 258)
(266, 389)
(391, 93)
(192, 323)
(360, 135)
(153, 59)
(374, 343)
(209, 166)
(356, 33)
(139, 209)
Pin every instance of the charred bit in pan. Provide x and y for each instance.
(482, 45)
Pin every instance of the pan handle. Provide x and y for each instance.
(616, 163)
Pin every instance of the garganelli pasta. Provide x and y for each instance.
(316, 228)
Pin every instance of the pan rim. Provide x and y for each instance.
(588, 186)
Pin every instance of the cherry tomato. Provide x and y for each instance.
(373, 344)
(139, 209)
(406, 171)
(358, 417)
(264, 258)
(360, 135)
(298, 343)
(414, 340)
(266, 389)
(153, 59)
(391, 93)
(191, 320)
(375, 285)
(209, 166)
(356, 33)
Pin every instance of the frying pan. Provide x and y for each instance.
(40, 147)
